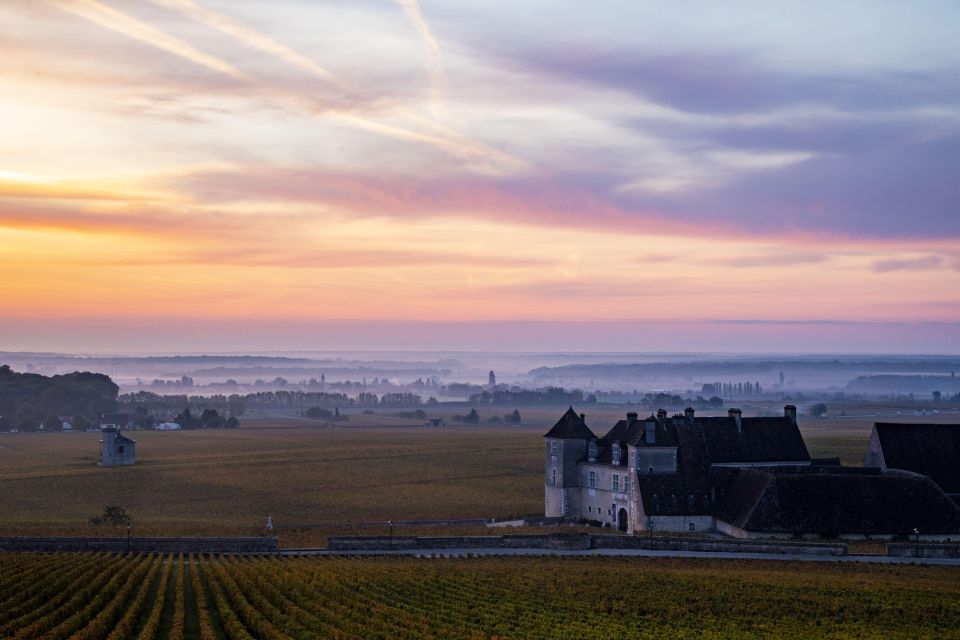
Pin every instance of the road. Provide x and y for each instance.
(640, 553)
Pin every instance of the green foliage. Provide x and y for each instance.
(35, 397)
(113, 516)
(818, 410)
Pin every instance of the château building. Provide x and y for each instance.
(741, 476)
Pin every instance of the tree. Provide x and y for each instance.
(232, 423)
(818, 410)
(715, 402)
(52, 423)
(472, 418)
(185, 419)
(514, 418)
(210, 419)
(936, 396)
(28, 424)
(113, 516)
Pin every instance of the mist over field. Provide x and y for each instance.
(610, 371)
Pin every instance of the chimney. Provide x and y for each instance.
(661, 415)
(583, 417)
(736, 415)
(631, 417)
(688, 413)
(790, 411)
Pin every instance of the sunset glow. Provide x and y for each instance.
(230, 166)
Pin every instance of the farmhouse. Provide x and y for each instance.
(746, 477)
(116, 448)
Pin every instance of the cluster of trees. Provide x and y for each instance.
(169, 405)
(731, 390)
(474, 418)
(319, 413)
(30, 400)
(546, 395)
(307, 399)
(664, 400)
(208, 419)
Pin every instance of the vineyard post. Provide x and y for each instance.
(128, 537)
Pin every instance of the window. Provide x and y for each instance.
(616, 482)
(693, 526)
(120, 449)
(592, 452)
(593, 479)
(553, 477)
(590, 509)
(554, 448)
(616, 454)
(650, 470)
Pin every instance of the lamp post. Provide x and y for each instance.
(128, 537)
(390, 528)
(916, 542)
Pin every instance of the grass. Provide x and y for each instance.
(573, 597)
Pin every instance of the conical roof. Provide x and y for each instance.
(570, 427)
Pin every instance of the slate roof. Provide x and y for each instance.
(930, 449)
(570, 426)
(837, 500)
(711, 440)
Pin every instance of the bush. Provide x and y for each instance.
(113, 516)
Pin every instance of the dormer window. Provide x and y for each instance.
(616, 454)
(592, 450)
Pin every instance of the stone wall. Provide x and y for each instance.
(680, 543)
(580, 542)
(143, 545)
(923, 550)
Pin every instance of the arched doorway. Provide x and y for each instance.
(622, 520)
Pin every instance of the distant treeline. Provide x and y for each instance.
(547, 396)
(747, 367)
(237, 405)
(29, 399)
(906, 384)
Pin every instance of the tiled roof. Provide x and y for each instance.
(930, 449)
(837, 500)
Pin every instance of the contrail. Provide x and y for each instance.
(412, 9)
(120, 22)
(249, 36)
(112, 19)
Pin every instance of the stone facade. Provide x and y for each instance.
(116, 449)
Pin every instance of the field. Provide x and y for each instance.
(226, 482)
(154, 597)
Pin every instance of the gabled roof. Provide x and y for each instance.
(837, 501)
(570, 427)
(930, 449)
(711, 440)
(121, 439)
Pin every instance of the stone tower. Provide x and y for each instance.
(565, 445)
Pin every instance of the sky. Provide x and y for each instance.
(201, 175)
